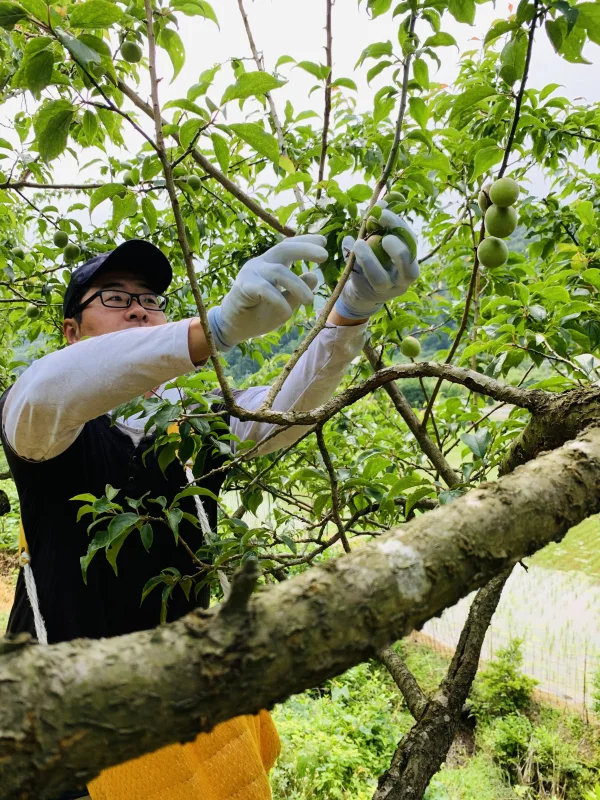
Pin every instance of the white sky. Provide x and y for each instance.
(297, 29)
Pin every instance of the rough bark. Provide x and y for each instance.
(412, 693)
(67, 711)
(558, 422)
(422, 751)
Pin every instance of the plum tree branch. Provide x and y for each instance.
(269, 97)
(211, 170)
(323, 316)
(405, 681)
(403, 407)
(183, 243)
(327, 111)
(335, 494)
(103, 697)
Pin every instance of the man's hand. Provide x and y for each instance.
(370, 285)
(266, 293)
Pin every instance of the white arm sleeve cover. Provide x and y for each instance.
(51, 401)
(311, 383)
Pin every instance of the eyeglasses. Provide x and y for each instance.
(116, 298)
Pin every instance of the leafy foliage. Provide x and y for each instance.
(501, 688)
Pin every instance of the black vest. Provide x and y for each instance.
(108, 605)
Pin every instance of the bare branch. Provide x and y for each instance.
(327, 111)
(335, 495)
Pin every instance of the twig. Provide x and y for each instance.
(515, 122)
(269, 97)
(335, 497)
(211, 170)
(327, 112)
(168, 172)
(322, 319)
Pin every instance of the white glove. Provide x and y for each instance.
(266, 292)
(370, 285)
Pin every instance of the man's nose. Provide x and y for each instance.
(136, 310)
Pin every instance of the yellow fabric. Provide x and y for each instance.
(22, 540)
(229, 763)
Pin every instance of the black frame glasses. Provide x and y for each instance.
(160, 299)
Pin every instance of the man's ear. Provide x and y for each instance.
(71, 331)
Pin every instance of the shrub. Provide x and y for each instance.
(501, 688)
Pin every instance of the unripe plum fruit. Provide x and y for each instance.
(499, 221)
(504, 192)
(492, 252)
(410, 347)
(61, 239)
(71, 252)
(131, 52)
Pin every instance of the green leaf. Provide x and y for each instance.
(512, 60)
(35, 72)
(468, 99)
(499, 28)
(198, 8)
(478, 441)
(419, 111)
(149, 213)
(192, 490)
(10, 14)
(189, 131)
(462, 10)
(121, 523)
(123, 208)
(285, 60)
(171, 42)
(51, 125)
(86, 498)
(567, 44)
(484, 159)
(346, 83)
(440, 40)
(185, 105)
(174, 515)
(95, 14)
(374, 71)
(414, 497)
(90, 125)
(114, 549)
(289, 543)
(81, 52)
(293, 180)
(375, 50)
(104, 192)
(37, 8)
(590, 18)
(151, 584)
(251, 84)
(584, 210)
(421, 71)
(258, 138)
(320, 71)
(221, 149)
(147, 536)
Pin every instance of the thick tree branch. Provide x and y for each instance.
(69, 710)
(405, 681)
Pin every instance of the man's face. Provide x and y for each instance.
(97, 319)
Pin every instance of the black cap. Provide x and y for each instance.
(137, 255)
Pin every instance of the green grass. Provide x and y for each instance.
(578, 551)
(3, 621)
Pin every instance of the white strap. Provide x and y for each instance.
(40, 625)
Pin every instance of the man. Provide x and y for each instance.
(56, 427)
